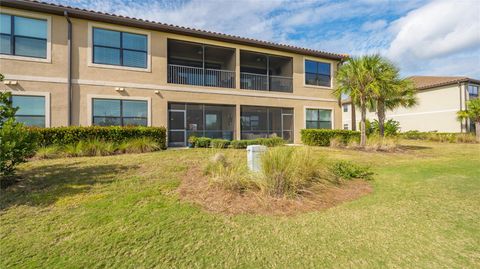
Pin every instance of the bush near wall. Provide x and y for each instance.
(205, 142)
(117, 134)
(439, 137)
(322, 137)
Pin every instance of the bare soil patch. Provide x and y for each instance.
(196, 188)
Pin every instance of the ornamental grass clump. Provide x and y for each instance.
(287, 171)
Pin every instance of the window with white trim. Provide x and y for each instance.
(117, 112)
(119, 48)
(345, 108)
(345, 126)
(31, 110)
(318, 118)
(22, 36)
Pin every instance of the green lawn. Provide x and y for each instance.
(123, 211)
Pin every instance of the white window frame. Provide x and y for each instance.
(105, 26)
(42, 94)
(332, 63)
(332, 113)
(32, 15)
(90, 98)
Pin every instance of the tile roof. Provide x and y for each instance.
(426, 82)
(153, 25)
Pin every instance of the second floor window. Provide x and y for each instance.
(345, 108)
(317, 73)
(23, 36)
(473, 90)
(115, 112)
(119, 48)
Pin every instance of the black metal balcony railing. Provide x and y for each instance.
(260, 82)
(188, 75)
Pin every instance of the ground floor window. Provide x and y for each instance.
(345, 126)
(116, 112)
(257, 122)
(31, 110)
(200, 120)
(318, 118)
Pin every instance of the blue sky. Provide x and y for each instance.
(438, 37)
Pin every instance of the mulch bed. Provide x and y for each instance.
(196, 188)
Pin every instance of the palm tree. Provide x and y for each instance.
(392, 91)
(473, 113)
(356, 78)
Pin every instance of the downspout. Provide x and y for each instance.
(69, 69)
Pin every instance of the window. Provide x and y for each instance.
(473, 90)
(114, 112)
(345, 126)
(119, 48)
(318, 119)
(345, 108)
(23, 36)
(31, 110)
(317, 73)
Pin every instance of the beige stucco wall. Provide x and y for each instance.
(90, 80)
(436, 111)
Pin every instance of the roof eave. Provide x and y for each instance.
(138, 23)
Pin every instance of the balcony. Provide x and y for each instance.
(261, 72)
(200, 65)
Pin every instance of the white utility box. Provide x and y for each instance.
(254, 152)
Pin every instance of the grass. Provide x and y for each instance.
(123, 211)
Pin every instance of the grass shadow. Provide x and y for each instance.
(414, 147)
(44, 185)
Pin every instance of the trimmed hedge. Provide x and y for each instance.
(322, 137)
(75, 134)
(205, 142)
(439, 137)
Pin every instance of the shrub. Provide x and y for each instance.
(336, 142)
(239, 144)
(439, 137)
(16, 145)
(219, 143)
(270, 142)
(346, 170)
(321, 137)
(116, 134)
(391, 127)
(287, 171)
(202, 142)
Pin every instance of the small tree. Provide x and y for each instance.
(16, 143)
(472, 113)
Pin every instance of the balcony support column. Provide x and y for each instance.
(268, 73)
(238, 124)
(237, 69)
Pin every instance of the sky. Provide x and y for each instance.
(436, 37)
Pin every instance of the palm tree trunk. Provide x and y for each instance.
(354, 117)
(381, 117)
(363, 133)
(477, 130)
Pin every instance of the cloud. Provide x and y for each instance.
(374, 25)
(434, 37)
(439, 29)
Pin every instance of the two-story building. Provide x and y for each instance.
(67, 66)
(438, 101)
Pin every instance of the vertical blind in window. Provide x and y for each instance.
(31, 110)
(317, 73)
(23, 36)
(319, 119)
(119, 48)
(113, 112)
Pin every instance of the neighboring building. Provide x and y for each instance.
(126, 71)
(439, 100)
